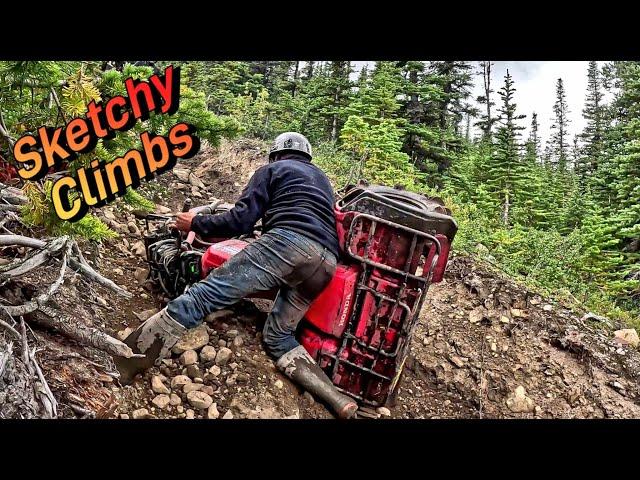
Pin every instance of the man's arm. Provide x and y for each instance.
(243, 216)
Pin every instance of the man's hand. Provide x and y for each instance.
(183, 221)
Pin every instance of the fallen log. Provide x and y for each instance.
(9, 208)
(12, 195)
(83, 334)
(24, 391)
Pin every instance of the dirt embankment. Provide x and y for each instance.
(484, 347)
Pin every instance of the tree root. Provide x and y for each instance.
(52, 317)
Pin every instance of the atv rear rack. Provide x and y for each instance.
(379, 358)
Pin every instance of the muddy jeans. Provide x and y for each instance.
(283, 259)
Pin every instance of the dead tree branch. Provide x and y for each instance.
(78, 264)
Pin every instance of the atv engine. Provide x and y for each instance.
(170, 266)
(175, 264)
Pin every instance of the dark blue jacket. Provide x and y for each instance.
(290, 193)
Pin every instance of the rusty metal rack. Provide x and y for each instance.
(407, 326)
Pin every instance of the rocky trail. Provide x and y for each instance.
(485, 347)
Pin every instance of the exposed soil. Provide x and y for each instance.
(485, 347)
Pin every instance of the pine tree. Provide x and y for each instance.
(322, 98)
(560, 135)
(506, 174)
(625, 217)
(339, 87)
(307, 73)
(594, 114)
(454, 80)
(532, 210)
(532, 147)
(486, 121)
(421, 93)
(373, 132)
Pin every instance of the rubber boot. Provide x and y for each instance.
(154, 338)
(300, 367)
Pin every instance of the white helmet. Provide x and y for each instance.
(291, 141)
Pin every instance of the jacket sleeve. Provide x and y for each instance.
(243, 216)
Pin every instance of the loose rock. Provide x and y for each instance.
(181, 173)
(207, 354)
(138, 249)
(476, 315)
(199, 400)
(122, 334)
(595, 318)
(174, 399)
(232, 334)
(189, 357)
(212, 412)
(161, 401)
(192, 387)
(140, 274)
(179, 381)
(194, 372)
(627, 336)
(237, 342)
(457, 361)
(157, 386)
(223, 356)
(140, 413)
(194, 339)
(228, 415)
(133, 228)
(520, 402)
(208, 389)
(384, 411)
(195, 181)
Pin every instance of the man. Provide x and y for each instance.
(297, 253)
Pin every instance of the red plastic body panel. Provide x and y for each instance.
(330, 311)
(219, 253)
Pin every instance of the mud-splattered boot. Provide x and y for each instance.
(154, 338)
(300, 367)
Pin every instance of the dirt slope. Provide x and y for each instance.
(480, 338)
(485, 347)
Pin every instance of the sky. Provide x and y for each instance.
(535, 84)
